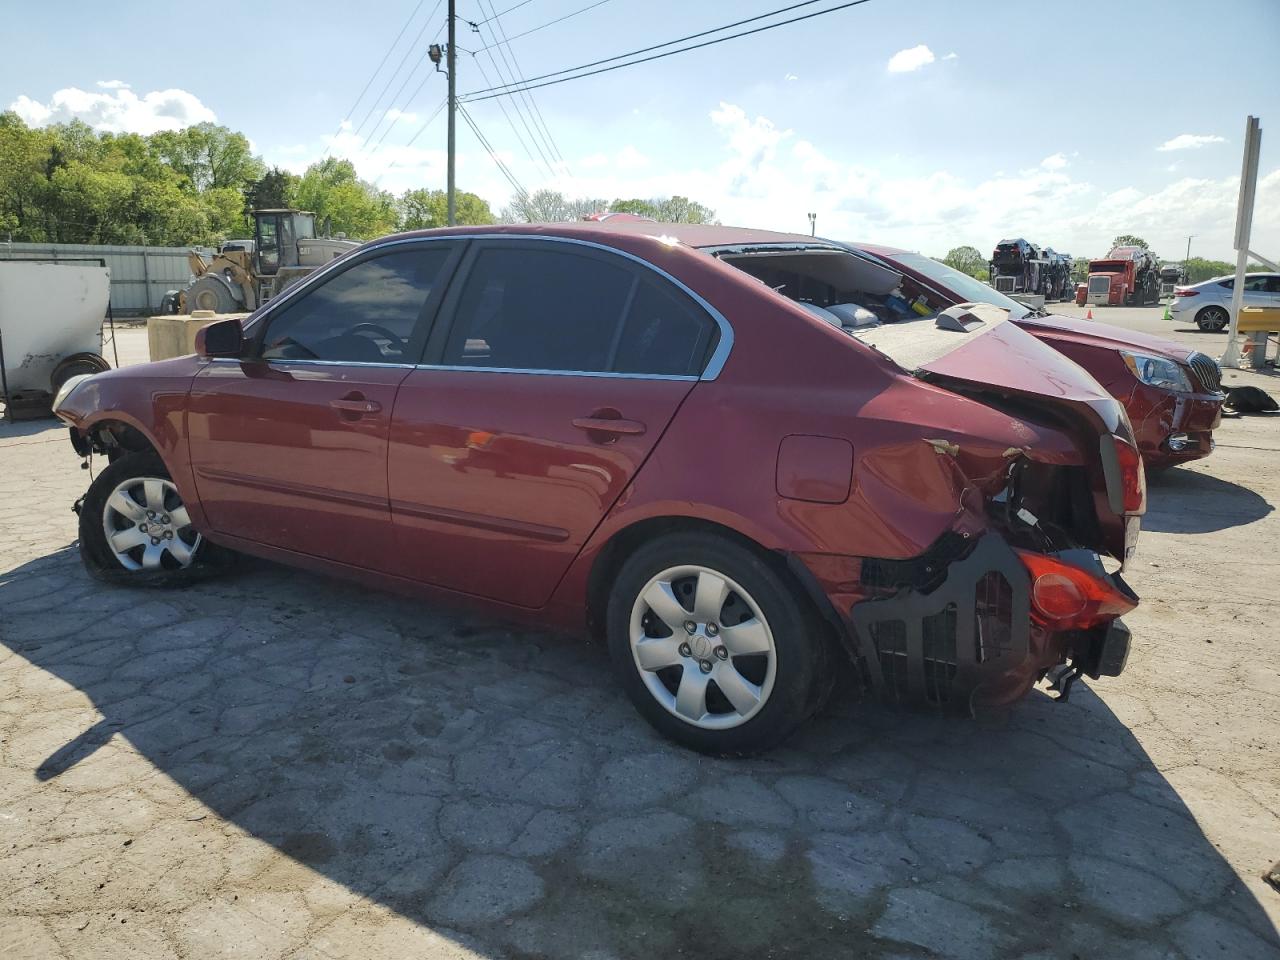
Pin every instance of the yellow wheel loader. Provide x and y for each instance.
(245, 274)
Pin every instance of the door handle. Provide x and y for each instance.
(611, 425)
(356, 405)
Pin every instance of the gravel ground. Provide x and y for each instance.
(279, 765)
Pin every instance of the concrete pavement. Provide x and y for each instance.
(279, 765)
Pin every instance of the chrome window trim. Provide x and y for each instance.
(317, 363)
(710, 372)
(560, 373)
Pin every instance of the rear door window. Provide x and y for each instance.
(665, 334)
(368, 313)
(547, 307)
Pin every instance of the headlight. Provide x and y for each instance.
(1157, 371)
(64, 391)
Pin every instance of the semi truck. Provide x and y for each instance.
(1127, 276)
(1020, 267)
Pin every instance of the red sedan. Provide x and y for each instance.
(1173, 395)
(652, 433)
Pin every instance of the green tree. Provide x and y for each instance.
(24, 158)
(274, 190)
(966, 260)
(331, 189)
(209, 156)
(641, 208)
(679, 209)
(1129, 240)
(423, 209)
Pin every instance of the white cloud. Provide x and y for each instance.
(768, 176)
(791, 76)
(952, 56)
(629, 158)
(117, 110)
(913, 58)
(1190, 141)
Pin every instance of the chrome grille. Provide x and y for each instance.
(1099, 284)
(1005, 284)
(1207, 372)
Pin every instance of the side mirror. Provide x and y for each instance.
(222, 338)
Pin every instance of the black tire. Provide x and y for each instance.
(74, 366)
(210, 293)
(100, 560)
(802, 674)
(1213, 319)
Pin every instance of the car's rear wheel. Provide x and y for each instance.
(134, 528)
(717, 649)
(1213, 319)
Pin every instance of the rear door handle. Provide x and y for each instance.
(609, 425)
(357, 405)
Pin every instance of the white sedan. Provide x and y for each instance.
(1208, 303)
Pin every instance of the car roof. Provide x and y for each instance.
(696, 235)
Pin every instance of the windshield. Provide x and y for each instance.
(961, 284)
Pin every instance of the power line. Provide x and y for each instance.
(518, 106)
(396, 119)
(422, 129)
(400, 66)
(513, 69)
(517, 71)
(521, 192)
(381, 63)
(552, 23)
(515, 6)
(511, 123)
(476, 95)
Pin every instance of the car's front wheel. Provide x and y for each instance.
(1213, 319)
(717, 649)
(134, 528)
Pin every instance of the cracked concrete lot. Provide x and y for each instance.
(278, 765)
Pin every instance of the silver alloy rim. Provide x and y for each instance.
(1216, 318)
(144, 520)
(694, 632)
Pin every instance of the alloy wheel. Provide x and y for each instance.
(703, 648)
(147, 527)
(1213, 318)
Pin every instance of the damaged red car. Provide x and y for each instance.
(655, 434)
(1173, 395)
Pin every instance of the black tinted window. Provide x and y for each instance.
(664, 334)
(530, 309)
(366, 314)
(546, 309)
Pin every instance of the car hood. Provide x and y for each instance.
(1060, 327)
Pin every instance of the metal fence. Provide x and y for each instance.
(139, 275)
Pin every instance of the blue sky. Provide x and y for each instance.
(923, 123)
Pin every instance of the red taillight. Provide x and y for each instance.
(1067, 597)
(1133, 479)
(1185, 293)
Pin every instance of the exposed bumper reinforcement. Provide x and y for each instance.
(964, 634)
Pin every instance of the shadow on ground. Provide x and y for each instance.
(1188, 501)
(495, 787)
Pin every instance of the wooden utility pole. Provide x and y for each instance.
(452, 66)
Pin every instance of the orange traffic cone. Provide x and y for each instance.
(1089, 315)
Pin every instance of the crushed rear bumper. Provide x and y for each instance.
(962, 636)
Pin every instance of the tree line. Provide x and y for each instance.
(67, 183)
